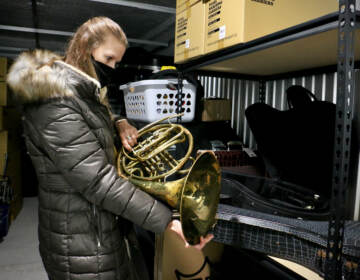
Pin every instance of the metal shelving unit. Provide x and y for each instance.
(325, 43)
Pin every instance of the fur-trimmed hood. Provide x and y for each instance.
(40, 75)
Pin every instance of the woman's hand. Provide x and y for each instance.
(175, 226)
(128, 134)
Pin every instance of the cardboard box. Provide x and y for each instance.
(232, 22)
(3, 94)
(216, 110)
(182, 5)
(189, 32)
(173, 261)
(3, 68)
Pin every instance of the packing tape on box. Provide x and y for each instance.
(221, 43)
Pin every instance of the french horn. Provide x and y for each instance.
(195, 196)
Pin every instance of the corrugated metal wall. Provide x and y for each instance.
(242, 93)
(246, 92)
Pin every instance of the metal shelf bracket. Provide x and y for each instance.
(344, 115)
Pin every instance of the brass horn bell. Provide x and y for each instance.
(195, 196)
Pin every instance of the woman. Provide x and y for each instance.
(84, 206)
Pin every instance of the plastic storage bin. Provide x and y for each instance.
(151, 100)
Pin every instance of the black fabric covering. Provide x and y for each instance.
(272, 196)
(313, 231)
(204, 132)
(297, 144)
(300, 241)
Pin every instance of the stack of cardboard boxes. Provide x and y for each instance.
(205, 26)
(10, 143)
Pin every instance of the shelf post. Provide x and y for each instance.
(262, 91)
(179, 96)
(344, 116)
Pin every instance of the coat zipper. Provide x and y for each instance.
(96, 225)
(128, 248)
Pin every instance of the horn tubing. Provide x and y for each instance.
(160, 176)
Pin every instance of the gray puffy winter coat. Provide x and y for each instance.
(83, 203)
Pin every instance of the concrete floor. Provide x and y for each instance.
(19, 253)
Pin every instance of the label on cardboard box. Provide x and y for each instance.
(222, 32)
(223, 24)
(189, 32)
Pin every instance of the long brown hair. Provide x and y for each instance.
(89, 36)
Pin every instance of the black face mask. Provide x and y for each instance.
(105, 74)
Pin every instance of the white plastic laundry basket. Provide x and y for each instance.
(151, 100)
